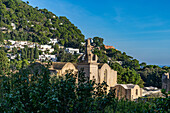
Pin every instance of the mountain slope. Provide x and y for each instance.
(20, 21)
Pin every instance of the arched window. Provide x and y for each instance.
(94, 57)
(105, 75)
(136, 91)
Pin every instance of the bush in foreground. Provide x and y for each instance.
(38, 92)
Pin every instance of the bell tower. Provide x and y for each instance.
(89, 65)
(90, 57)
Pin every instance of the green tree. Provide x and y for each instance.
(19, 64)
(11, 4)
(22, 54)
(62, 42)
(1, 37)
(4, 63)
(36, 52)
(27, 2)
(18, 57)
(14, 50)
(25, 63)
(56, 47)
(143, 64)
(129, 76)
(98, 41)
(31, 53)
(26, 51)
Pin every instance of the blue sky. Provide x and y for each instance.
(141, 28)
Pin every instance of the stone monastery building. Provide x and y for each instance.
(98, 71)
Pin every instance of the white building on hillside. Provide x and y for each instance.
(72, 50)
(11, 41)
(51, 50)
(10, 56)
(53, 41)
(22, 42)
(13, 26)
(3, 28)
(45, 47)
(45, 57)
(31, 46)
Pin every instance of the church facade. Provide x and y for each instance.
(95, 71)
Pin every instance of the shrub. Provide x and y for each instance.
(35, 91)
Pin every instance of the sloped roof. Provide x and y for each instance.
(127, 86)
(58, 65)
(100, 65)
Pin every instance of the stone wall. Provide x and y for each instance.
(166, 82)
(108, 75)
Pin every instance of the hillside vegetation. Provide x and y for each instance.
(23, 22)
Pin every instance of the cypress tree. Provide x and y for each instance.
(14, 50)
(36, 53)
(29, 54)
(32, 54)
(26, 50)
(22, 54)
(4, 63)
(1, 34)
(1, 37)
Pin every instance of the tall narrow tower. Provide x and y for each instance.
(89, 65)
(90, 57)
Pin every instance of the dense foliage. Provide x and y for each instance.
(33, 90)
(152, 75)
(4, 63)
(23, 22)
(66, 57)
(29, 53)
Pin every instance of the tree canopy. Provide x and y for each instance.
(23, 22)
(4, 63)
